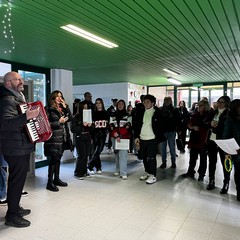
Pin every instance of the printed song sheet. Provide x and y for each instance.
(122, 145)
(87, 115)
(229, 146)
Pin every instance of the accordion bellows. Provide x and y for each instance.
(38, 129)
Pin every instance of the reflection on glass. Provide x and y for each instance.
(39, 94)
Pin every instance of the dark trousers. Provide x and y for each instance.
(18, 168)
(109, 142)
(149, 152)
(83, 145)
(98, 144)
(237, 175)
(182, 136)
(213, 150)
(193, 159)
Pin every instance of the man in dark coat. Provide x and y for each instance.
(15, 145)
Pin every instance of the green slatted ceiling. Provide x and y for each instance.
(198, 38)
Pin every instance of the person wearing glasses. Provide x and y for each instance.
(216, 124)
(15, 145)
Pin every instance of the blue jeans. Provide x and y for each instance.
(3, 178)
(121, 158)
(170, 139)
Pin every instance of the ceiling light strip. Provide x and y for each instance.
(82, 33)
(170, 71)
(174, 81)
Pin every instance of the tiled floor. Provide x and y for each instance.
(107, 207)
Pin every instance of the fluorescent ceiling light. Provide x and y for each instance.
(174, 81)
(170, 71)
(82, 33)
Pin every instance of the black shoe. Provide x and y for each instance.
(3, 202)
(17, 221)
(52, 187)
(23, 212)
(59, 182)
(211, 185)
(24, 193)
(224, 189)
(186, 175)
(173, 165)
(164, 165)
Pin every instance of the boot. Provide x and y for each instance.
(211, 185)
(50, 184)
(225, 187)
(57, 181)
(238, 195)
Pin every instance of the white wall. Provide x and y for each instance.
(126, 91)
(104, 91)
(62, 81)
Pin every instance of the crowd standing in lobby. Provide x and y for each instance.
(148, 124)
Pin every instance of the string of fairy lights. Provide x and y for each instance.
(7, 28)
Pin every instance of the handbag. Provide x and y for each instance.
(180, 145)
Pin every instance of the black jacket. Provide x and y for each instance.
(156, 125)
(60, 139)
(14, 140)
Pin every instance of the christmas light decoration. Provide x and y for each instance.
(7, 28)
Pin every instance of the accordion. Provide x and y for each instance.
(38, 129)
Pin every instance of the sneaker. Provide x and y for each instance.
(116, 174)
(124, 177)
(3, 202)
(79, 177)
(87, 175)
(91, 172)
(99, 171)
(144, 177)
(164, 165)
(24, 193)
(151, 179)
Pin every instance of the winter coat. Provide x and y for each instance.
(60, 139)
(156, 125)
(14, 140)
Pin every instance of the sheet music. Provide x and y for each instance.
(122, 145)
(87, 115)
(229, 146)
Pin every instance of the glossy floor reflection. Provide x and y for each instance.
(109, 208)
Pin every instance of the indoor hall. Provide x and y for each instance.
(105, 207)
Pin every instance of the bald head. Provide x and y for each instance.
(14, 81)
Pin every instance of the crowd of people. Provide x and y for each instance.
(140, 128)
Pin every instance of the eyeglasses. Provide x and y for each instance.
(19, 79)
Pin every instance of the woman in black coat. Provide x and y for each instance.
(58, 114)
(232, 130)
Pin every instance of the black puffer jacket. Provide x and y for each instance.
(14, 140)
(60, 139)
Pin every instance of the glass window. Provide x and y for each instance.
(39, 94)
(4, 68)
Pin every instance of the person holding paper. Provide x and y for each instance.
(216, 120)
(232, 130)
(100, 127)
(120, 126)
(148, 133)
(82, 128)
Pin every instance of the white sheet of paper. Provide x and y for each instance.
(229, 146)
(122, 145)
(87, 115)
